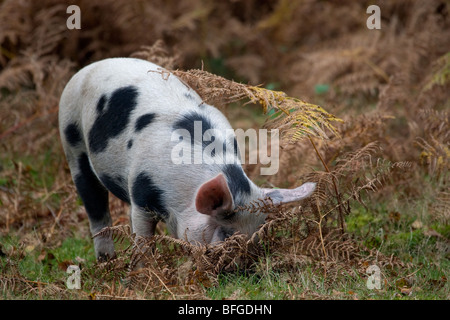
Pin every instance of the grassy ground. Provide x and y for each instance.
(40, 271)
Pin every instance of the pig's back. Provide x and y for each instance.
(127, 110)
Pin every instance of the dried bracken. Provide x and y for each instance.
(293, 117)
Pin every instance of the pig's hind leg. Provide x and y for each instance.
(95, 200)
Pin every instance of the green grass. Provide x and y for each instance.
(377, 228)
(306, 284)
(398, 226)
(250, 286)
(40, 265)
(402, 229)
(426, 279)
(414, 238)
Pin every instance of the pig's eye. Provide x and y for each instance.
(227, 216)
(225, 233)
(229, 213)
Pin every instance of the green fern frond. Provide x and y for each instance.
(297, 117)
(442, 75)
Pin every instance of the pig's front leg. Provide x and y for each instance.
(147, 204)
(143, 222)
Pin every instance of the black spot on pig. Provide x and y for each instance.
(129, 144)
(91, 191)
(101, 104)
(188, 122)
(237, 152)
(189, 96)
(144, 121)
(114, 184)
(213, 152)
(72, 134)
(148, 196)
(112, 121)
(235, 149)
(193, 98)
(237, 180)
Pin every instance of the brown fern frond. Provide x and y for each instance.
(357, 160)
(435, 154)
(435, 123)
(116, 233)
(441, 207)
(19, 76)
(158, 53)
(301, 118)
(441, 73)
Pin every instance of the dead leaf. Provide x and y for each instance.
(42, 255)
(185, 270)
(353, 294)
(438, 283)
(63, 265)
(337, 293)
(394, 216)
(402, 283)
(80, 260)
(406, 291)
(235, 295)
(417, 224)
(29, 248)
(429, 232)
(202, 278)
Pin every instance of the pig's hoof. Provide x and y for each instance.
(103, 257)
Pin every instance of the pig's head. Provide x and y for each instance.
(218, 199)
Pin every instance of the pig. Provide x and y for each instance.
(117, 121)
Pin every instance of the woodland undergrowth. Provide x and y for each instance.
(371, 124)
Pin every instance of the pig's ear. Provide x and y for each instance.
(214, 197)
(289, 195)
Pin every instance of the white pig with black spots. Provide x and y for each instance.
(117, 120)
